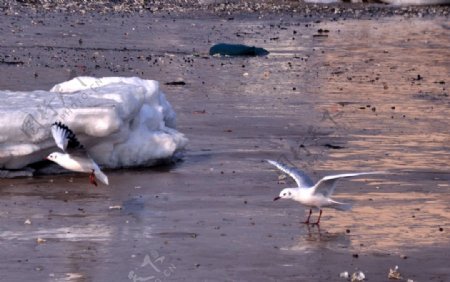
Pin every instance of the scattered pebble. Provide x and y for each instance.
(344, 275)
(116, 207)
(358, 276)
(28, 221)
(282, 177)
(395, 274)
(40, 240)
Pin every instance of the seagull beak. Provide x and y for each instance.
(277, 198)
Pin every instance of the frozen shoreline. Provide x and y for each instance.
(123, 122)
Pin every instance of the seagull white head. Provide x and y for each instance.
(286, 193)
(55, 157)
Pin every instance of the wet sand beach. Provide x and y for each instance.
(335, 94)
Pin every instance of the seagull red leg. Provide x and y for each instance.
(309, 216)
(318, 220)
(92, 178)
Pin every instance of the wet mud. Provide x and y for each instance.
(332, 96)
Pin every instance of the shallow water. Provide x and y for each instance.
(358, 104)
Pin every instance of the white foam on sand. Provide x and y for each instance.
(123, 122)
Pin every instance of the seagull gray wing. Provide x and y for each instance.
(326, 185)
(300, 177)
(65, 139)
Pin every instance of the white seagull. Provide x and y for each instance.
(75, 156)
(316, 195)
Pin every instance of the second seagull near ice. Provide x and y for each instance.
(75, 156)
(316, 195)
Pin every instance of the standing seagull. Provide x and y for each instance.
(314, 195)
(75, 157)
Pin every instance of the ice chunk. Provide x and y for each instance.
(344, 275)
(395, 273)
(358, 276)
(123, 122)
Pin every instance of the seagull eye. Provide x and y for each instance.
(289, 193)
(284, 194)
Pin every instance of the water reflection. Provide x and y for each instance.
(383, 222)
(316, 238)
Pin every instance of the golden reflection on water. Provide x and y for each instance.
(400, 116)
(384, 117)
(381, 223)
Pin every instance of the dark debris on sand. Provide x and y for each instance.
(228, 8)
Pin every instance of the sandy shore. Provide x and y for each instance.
(334, 95)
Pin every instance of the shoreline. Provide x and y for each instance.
(365, 95)
(241, 8)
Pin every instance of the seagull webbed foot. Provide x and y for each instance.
(318, 220)
(92, 178)
(309, 216)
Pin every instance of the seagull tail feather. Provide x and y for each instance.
(101, 176)
(341, 206)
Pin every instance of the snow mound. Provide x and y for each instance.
(123, 122)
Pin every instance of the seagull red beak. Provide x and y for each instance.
(277, 198)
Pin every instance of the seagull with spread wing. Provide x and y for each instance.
(75, 156)
(314, 195)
